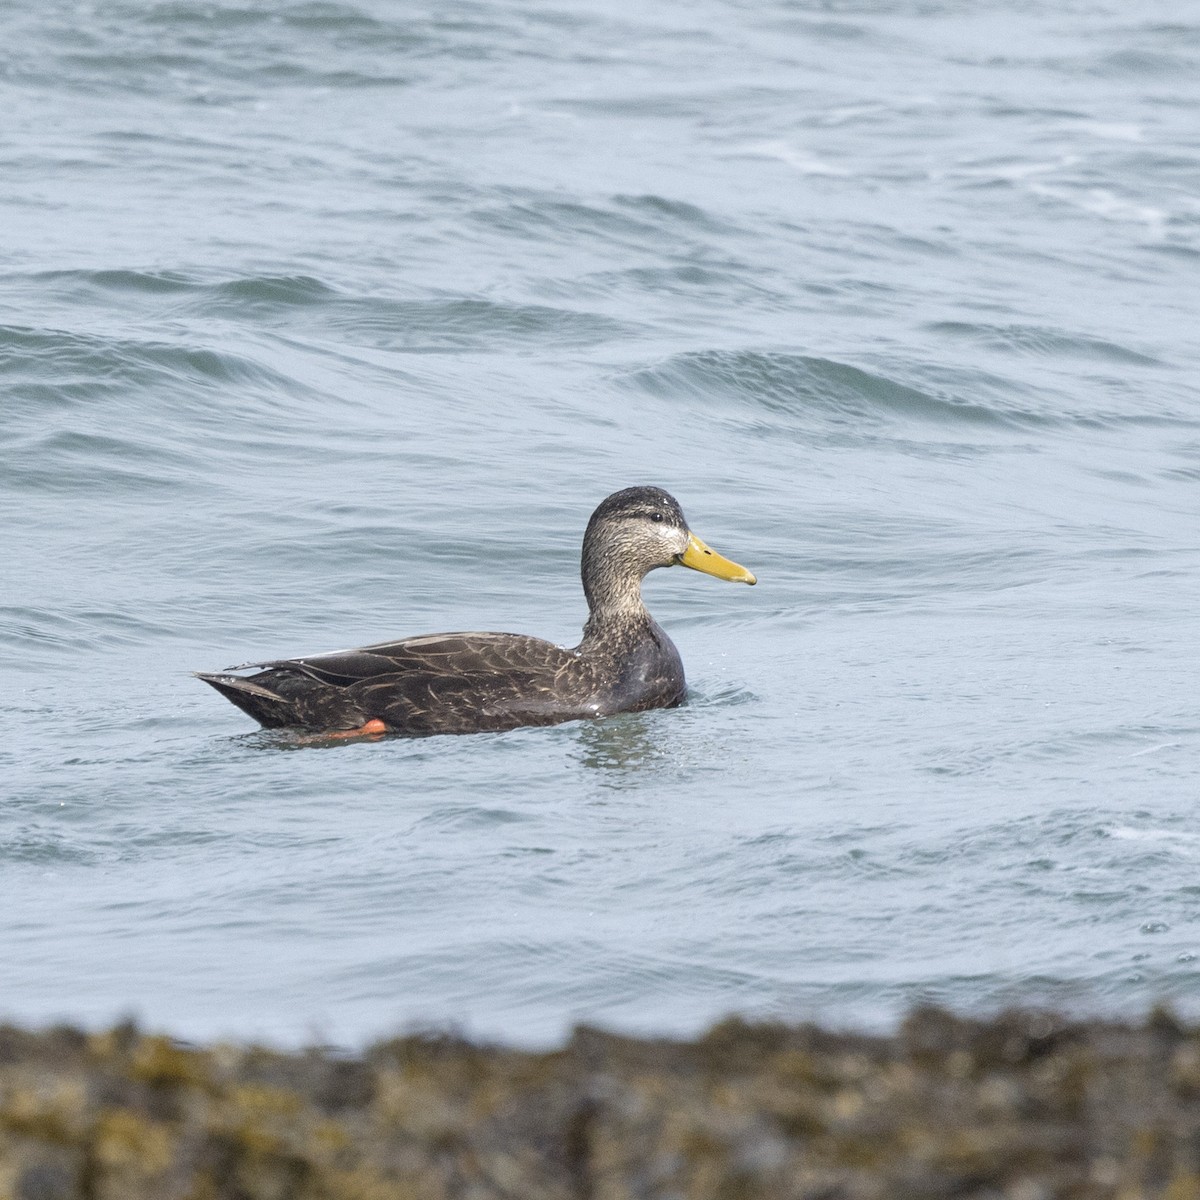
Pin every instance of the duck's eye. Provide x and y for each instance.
(656, 517)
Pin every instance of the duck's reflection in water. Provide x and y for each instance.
(625, 746)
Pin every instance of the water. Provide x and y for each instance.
(327, 323)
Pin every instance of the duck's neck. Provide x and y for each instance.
(614, 600)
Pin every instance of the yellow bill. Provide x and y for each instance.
(700, 558)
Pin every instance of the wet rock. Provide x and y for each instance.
(1026, 1106)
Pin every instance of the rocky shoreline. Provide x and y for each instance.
(1028, 1106)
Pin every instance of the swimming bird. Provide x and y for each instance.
(471, 682)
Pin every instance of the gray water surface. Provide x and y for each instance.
(327, 323)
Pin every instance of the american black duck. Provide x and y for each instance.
(470, 682)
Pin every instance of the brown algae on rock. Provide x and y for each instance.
(1026, 1106)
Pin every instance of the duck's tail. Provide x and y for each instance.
(268, 708)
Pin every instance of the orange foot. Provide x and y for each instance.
(373, 728)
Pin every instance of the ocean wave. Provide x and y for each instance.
(776, 389)
(73, 626)
(303, 305)
(1044, 342)
(816, 390)
(60, 367)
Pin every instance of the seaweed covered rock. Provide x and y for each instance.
(1026, 1106)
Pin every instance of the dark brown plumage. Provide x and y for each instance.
(470, 682)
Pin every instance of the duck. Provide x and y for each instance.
(458, 683)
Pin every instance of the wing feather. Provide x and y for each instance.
(447, 655)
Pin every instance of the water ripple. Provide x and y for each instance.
(814, 391)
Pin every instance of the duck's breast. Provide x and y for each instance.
(648, 674)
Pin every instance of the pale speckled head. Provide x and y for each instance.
(636, 530)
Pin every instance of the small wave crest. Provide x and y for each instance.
(1043, 342)
(804, 388)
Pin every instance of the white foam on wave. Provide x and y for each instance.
(1106, 204)
(1113, 131)
(1154, 749)
(1179, 841)
(796, 158)
(1012, 172)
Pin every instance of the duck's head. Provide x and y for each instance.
(636, 530)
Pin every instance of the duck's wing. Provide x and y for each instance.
(442, 683)
(439, 655)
